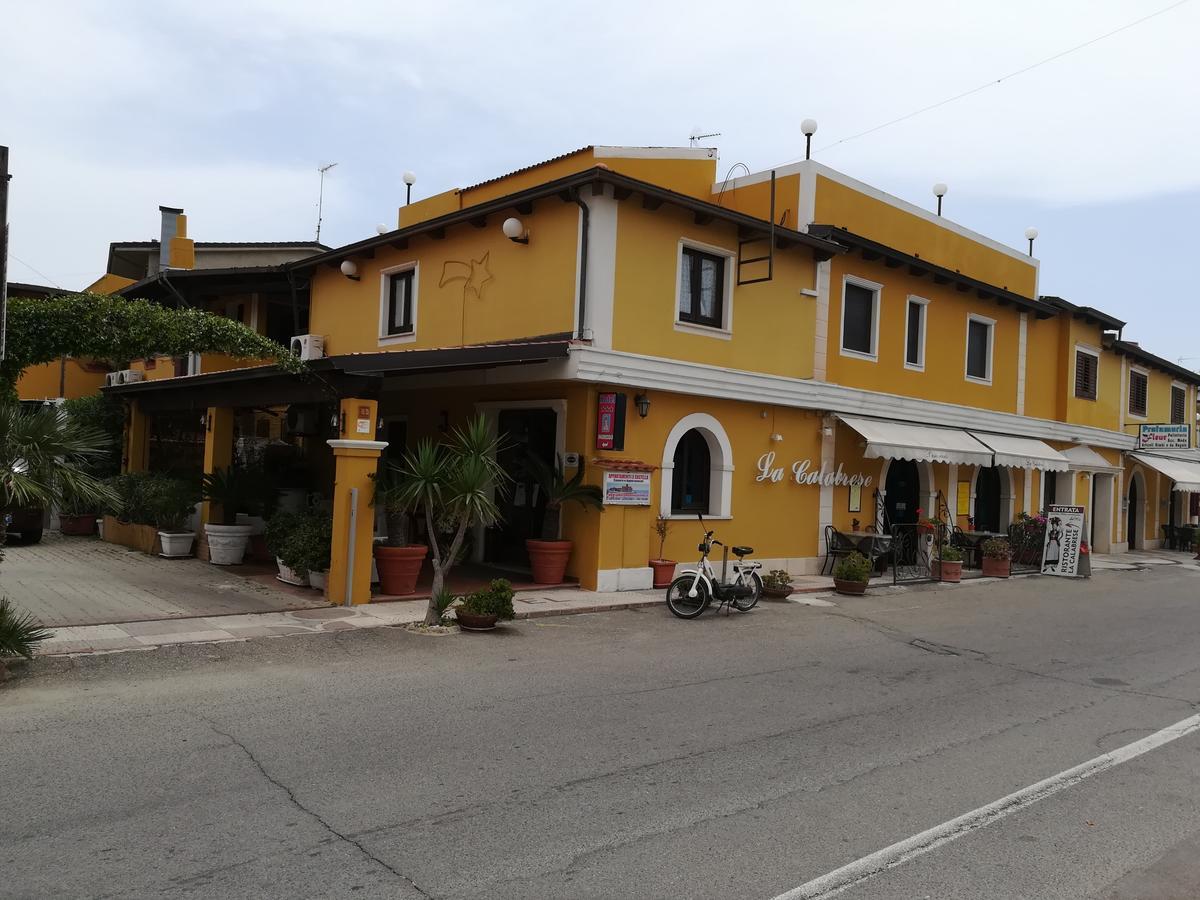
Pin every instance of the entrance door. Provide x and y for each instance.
(987, 500)
(903, 488)
(1131, 523)
(524, 433)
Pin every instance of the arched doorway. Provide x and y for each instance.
(902, 489)
(1133, 520)
(691, 481)
(987, 499)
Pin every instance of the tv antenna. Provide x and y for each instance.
(321, 195)
(696, 135)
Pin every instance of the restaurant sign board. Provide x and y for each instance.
(626, 488)
(802, 472)
(1064, 538)
(1164, 437)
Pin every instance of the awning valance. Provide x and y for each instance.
(1023, 452)
(1181, 469)
(920, 443)
(1084, 459)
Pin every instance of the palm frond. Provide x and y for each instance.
(20, 633)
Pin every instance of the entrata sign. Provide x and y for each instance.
(1164, 437)
(803, 473)
(1064, 535)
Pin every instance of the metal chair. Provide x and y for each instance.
(970, 550)
(836, 545)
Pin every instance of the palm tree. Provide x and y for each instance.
(455, 482)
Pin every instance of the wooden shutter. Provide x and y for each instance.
(1138, 383)
(1085, 375)
(1178, 406)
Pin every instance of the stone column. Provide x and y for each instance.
(356, 454)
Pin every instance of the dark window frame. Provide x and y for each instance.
(408, 325)
(989, 338)
(690, 314)
(872, 331)
(1089, 389)
(691, 442)
(922, 308)
(1144, 395)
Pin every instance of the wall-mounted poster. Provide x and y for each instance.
(610, 421)
(855, 498)
(1064, 535)
(1164, 437)
(963, 500)
(626, 488)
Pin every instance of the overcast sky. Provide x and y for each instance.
(227, 108)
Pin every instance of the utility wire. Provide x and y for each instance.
(42, 275)
(1013, 74)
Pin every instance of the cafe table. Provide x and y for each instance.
(870, 544)
(976, 539)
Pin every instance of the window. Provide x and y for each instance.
(979, 348)
(399, 303)
(914, 335)
(1178, 405)
(1138, 383)
(1049, 489)
(692, 474)
(702, 288)
(860, 304)
(1086, 366)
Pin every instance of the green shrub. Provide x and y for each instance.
(301, 541)
(853, 567)
(493, 600)
(151, 498)
(950, 553)
(997, 548)
(777, 580)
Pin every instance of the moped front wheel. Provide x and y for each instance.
(680, 601)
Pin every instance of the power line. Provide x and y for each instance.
(1013, 74)
(35, 271)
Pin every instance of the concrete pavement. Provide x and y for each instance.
(624, 754)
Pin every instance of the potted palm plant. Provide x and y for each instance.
(997, 558)
(851, 574)
(664, 569)
(548, 554)
(482, 609)
(397, 560)
(230, 490)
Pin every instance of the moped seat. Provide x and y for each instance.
(742, 551)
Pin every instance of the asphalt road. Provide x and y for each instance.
(627, 754)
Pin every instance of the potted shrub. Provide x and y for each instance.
(482, 609)
(777, 584)
(172, 502)
(396, 559)
(282, 534)
(317, 547)
(997, 558)
(664, 569)
(548, 555)
(949, 564)
(231, 490)
(77, 516)
(851, 574)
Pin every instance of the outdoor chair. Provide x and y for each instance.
(836, 545)
(970, 551)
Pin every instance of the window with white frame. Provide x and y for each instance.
(1139, 384)
(980, 333)
(398, 303)
(1178, 404)
(702, 287)
(860, 318)
(914, 334)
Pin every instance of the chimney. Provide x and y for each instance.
(175, 249)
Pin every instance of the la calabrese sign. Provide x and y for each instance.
(802, 472)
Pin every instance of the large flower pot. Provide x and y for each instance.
(176, 544)
(288, 575)
(227, 543)
(849, 587)
(779, 593)
(664, 572)
(79, 526)
(997, 568)
(399, 567)
(471, 622)
(548, 559)
(318, 580)
(950, 571)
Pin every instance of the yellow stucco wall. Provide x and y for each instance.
(1105, 410)
(44, 382)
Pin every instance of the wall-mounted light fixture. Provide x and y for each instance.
(409, 180)
(827, 430)
(1031, 236)
(809, 127)
(642, 402)
(515, 230)
(939, 191)
(337, 422)
(349, 268)
(777, 437)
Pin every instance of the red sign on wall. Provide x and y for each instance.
(610, 422)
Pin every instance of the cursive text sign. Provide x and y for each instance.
(803, 473)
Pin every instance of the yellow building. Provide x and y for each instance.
(789, 354)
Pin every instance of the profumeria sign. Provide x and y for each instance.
(803, 473)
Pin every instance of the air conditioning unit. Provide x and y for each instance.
(309, 346)
(129, 376)
(112, 378)
(302, 420)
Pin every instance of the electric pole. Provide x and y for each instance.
(321, 196)
(4, 178)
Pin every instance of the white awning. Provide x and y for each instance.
(1084, 459)
(1023, 453)
(1180, 469)
(921, 443)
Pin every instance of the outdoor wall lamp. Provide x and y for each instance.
(642, 402)
(337, 422)
(939, 191)
(809, 127)
(409, 180)
(1031, 236)
(776, 437)
(350, 269)
(515, 230)
(827, 430)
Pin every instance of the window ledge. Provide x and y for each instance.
(914, 368)
(691, 517)
(1141, 417)
(973, 380)
(723, 334)
(857, 354)
(389, 340)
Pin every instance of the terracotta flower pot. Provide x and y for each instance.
(471, 622)
(664, 572)
(997, 568)
(78, 526)
(950, 571)
(399, 567)
(548, 559)
(849, 587)
(778, 593)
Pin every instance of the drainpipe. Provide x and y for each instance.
(583, 259)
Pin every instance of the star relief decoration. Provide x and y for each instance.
(474, 274)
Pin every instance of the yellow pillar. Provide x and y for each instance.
(356, 455)
(137, 439)
(218, 452)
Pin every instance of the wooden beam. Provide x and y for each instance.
(962, 287)
(401, 244)
(939, 278)
(892, 263)
(651, 203)
(871, 255)
(621, 193)
(479, 221)
(918, 271)
(525, 207)
(437, 234)
(701, 218)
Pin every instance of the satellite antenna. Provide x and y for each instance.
(321, 195)
(697, 135)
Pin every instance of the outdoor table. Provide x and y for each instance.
(976, 539)
(870, 544)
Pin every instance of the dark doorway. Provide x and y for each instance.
(525, 433)
(987, 500)
(692, 474)
(1131, 522)
(903, 488)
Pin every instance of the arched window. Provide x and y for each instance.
(692, 477)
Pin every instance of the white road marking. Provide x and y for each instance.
(919, 844)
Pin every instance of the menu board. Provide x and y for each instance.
(1064, 536)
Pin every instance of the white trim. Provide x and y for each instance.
(720, 458)
(594, 365)
(637, 578)
(1122, 408)
(1027, 491)
(807, 201)
(877, 290)
(389, 340)
(725, 332)
(1171, 402)
(604, 152)
(1145, 373)
(1091, 351)
(345, 444)
(825, 502)
(1022, 362)
(991, 345)
(913, 299)
(821, 325)
(601, 270)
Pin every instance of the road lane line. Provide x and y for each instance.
(919, 844)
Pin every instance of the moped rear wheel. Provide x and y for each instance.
(681, 603)
(748, 603)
